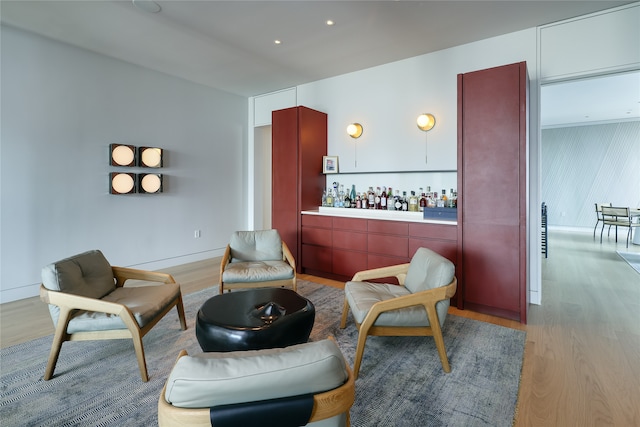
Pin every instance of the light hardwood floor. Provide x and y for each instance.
(582, 353)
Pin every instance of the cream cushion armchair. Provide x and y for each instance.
(418, 307)
(305, 383)
(88, 301)
(257, 259)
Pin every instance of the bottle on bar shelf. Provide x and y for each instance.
(397, 200)
(413, 202)
(390, 203)
(377, 199)
(423, 200)
(383, 199)
(371, 199)
(329, 197)
(405, 202)
(353, 196)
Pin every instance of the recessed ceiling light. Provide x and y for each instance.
(330, 22)
(147, 5)
(277, 42)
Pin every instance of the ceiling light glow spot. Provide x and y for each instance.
(277, 42)
(330, 22)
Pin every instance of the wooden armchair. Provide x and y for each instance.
(418, 307)
(88, 301)
(257, 259)
(289, 386)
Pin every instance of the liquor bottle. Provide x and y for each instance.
(383, 199)
(371, 197)
(405, 202)
(431, 202)
(454, 199)
(329, 197)
(397, 201)
(423, 200)
(324, 198)
(347, 200)
(377, 199)
(353, 196)
(358, 201)
(413, 202)
(445, 199)
(390, 203)
(365, 200)
(440, 202)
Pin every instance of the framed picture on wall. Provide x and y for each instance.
(329, 164)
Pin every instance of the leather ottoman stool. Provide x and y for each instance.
(254, 319)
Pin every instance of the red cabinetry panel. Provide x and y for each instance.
(317, 258)
(447, 249)
(388, 227)
(348, 263)
(354, 224)
(492, 136)
(384, 244)
(317, 221)
(433, 231)
(299, 140)
(317, 236)
(349, 240)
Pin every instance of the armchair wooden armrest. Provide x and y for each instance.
(77, 302)
(226, 259)
(288, 256)
(122, 274)
(399, 271)
(424, 298)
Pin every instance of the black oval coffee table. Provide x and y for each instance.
(254, 319)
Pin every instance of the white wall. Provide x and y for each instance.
(584, 165)
(61, 108)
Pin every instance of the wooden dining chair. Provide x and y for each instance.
(618, 217)
(599, 217)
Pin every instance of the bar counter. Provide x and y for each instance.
(377, 214)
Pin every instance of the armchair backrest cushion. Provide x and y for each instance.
(428, 270)
(262, 245)
(212, 379)
(87, 274)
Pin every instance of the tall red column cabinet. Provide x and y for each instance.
(492, 152)
(299, 140)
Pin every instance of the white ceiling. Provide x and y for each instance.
(229, 45)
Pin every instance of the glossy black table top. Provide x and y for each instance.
(249, 309)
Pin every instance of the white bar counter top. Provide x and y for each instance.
(377, 214)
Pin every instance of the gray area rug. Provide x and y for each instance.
(401, 381)
(632, 258)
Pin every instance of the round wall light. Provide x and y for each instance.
(150, 183)
(122, 183)
(426, 121)
(354, 130)
(150, 157)
(122, 155)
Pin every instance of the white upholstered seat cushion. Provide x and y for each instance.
(256, 271)
(363, 295)
(145, 302)
(212, 379)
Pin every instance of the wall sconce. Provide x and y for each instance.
(149, 183)
(150, 157)
(121, 183)
(122, 155)
(426, 122)
(354, 130)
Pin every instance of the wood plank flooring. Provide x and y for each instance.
(582, 354)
